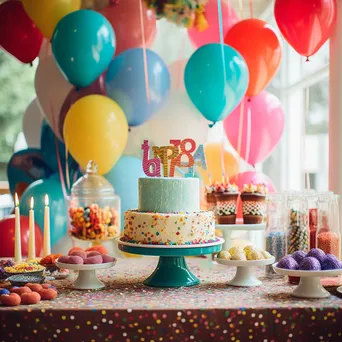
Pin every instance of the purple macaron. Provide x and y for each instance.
(310, 264)
(299, 256)
(331, 263)
(288, 262)
(317, 253)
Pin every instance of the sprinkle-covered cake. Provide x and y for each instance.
(169, 214)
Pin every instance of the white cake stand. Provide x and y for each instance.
(310, 284)
(245, 271)
(87, 279)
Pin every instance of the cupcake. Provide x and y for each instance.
(253, 203)
(226, 197)
(210, 197)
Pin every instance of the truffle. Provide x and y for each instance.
(331, 263)
(310, 264)
(224, 255)
(317, 253)
(299, 256)
(288, 262)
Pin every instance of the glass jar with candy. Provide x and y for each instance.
(94, 208)
(312, 201)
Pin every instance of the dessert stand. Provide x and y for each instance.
(310, 284)
(245, 271)
(86, 279)
(172, 270)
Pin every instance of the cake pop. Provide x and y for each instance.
(288, 262)
(331, 263)
(299, 256)
(310, 264)
(317, 253)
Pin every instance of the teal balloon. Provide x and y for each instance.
(124, 178)
(83, 45)
(58, 207)
(216, 80)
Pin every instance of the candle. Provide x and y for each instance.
(209, 179)
(47, 244)
(17, 235)
(32, 238)
(223, 179)
(227, 178)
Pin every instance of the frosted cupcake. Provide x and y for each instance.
(226, 197)
(253, 203)
(210, 197)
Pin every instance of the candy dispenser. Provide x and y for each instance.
(94, 208)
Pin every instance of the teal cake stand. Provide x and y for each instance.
(172, 270)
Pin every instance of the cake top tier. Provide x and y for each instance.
(169, 195)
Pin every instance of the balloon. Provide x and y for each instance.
(126, 84)
(75, 94)
(306, 25)
(19, 36)
(58, 207)
(83, 45)
(7, 226)
(124, 178)
(260, 46)
(32, 124)
(266, 127)
(96, 129)
(214, 153)
(253, 177)
(24, 168)
(125, 19)
(49, 12)
(212, 33)
(215, 87)
(179, 119)
(52, 89)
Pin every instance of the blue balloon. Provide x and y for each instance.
(214, 87)
(126, 84)
(124, 178)
(58, 207)
(83, 45)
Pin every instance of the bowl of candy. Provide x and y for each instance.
(5, 263)
(51, 269)
(31, 267)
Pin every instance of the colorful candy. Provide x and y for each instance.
(329, 242)
(297, 232)
(25, 267)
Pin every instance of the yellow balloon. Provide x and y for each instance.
(47, 13)
(213, 154)
(95, 128)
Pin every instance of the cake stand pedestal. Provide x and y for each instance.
(172, 270)
(227, 230)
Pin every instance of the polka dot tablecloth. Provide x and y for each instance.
(129, 311)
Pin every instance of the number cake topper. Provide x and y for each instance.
(173, 153)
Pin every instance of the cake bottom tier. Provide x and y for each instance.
(169, 228)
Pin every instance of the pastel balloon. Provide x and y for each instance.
(212, 33)
(216, 79)
(217, 158)
(19, 36)
(260, 46)
(265, 117)
(253, 177)
(96, 129)
(126, 84)
(83, 45)
(32, 124)
(306, 25)
(48, 13)
(126, 22)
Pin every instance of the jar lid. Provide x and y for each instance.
(92, 184)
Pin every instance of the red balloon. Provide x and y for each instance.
(7, 226)
(124, 16)
(19, 36)
(305, 24)
(253, 177)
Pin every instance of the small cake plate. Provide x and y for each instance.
(172, 270)
(87, 279)
(310, 284)
(227, 230)
(245, 271)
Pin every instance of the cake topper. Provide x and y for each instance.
(175, 153)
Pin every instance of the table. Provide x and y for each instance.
(129, 311)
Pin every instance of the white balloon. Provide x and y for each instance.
(32, 124)
(52, 88)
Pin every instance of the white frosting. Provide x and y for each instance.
(180, 228)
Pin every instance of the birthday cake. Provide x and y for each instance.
(169, 214)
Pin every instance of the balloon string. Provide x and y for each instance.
(222, 162)
(241, 8)
(249, 130)
(181, 57)
(251, 8)
(307, 102)
(242, 114)
(144, 51)
(229, 4)
(67, 175)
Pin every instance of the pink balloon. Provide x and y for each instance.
(96, 88)
(124, 16)
(266, 117)
(212, 33)
(253, 177)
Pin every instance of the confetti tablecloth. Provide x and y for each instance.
(129, 311)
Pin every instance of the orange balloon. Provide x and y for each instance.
(261, 48)
(213, 154)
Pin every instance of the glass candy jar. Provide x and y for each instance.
(94, 208)
(312, 201)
